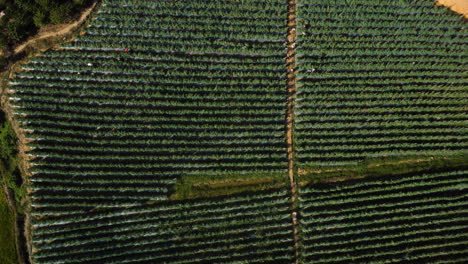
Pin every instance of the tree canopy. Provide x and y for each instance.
(24, 17)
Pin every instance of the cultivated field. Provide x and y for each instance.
(121, 113)
(379, 79)
(252, 228)
(179, 131)
(415, 218)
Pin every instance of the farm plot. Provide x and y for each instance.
(378, 79)
(239, 229)
(412, 218)
(156, 90)
(165, 100)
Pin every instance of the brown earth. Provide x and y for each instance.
(459, 6)
(291, 91)
(304, 172)
(291, 86)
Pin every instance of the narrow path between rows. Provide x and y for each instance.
(291, 92)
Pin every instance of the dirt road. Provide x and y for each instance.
(56, 31)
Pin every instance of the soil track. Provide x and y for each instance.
(291, 92)
(56, 31)
(291, 86)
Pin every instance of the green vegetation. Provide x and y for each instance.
(200, 186)
(416, 218)
(384, 166)
(10, 179)
(158, 134)
(7, 227)
(22, 18)
(246, 228)
(380, 88)
(379, 78)
(127, 111)
(9, 168)
(191, 187)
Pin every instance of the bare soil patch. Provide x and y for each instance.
(291, 92)
(459, 6)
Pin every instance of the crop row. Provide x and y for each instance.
(156, 93)
(238, 228)
(151, 102)
(360, 72)
(399, 218)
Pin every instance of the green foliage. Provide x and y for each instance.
(44, 3)
(12, 31)
(380, 132)
(7, 235)
(23, 18)
(11, 175)
(202, 186)
(3, 62)
(40, 18)
(418, 216)
(213, 124)
(378, 78)
(7, 143)
(3, 42)
(60, 12)
(385, 166)
(79, 2)
(10, 179)
(216, 115)
(187, 95)
(56, 15)
(248, 228)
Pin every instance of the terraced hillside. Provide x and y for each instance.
(161, 134)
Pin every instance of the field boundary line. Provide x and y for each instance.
(291, 93)
(24, 158)
(23, 163)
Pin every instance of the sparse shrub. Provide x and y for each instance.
(60, 12)
(40, 18)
